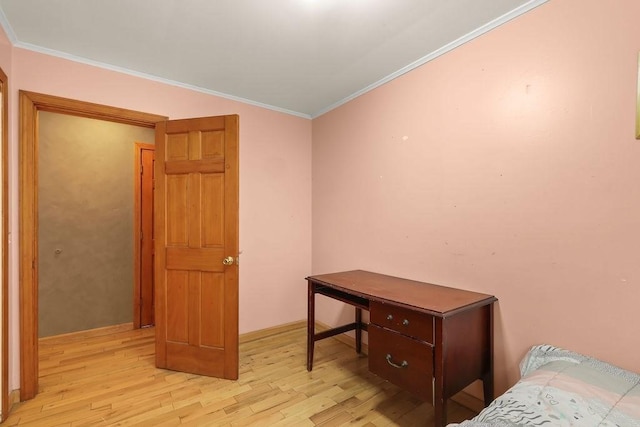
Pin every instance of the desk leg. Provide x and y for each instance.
(487, 379)
(311, 323)
(440, 414)
(439, 398)
(358, 330)
(487, 388)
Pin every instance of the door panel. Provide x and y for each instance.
(196, 228)
(213, 221)
(176, 206)
(212, 145)
(177, 311)
(212, 309)
(204, 259)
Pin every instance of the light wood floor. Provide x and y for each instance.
(107, 378)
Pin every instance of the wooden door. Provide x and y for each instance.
(196, 233)
(143, 302)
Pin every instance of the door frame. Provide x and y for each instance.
(137, 230)
(30, 104)
(4, 280)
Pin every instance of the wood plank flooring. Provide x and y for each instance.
(107, 377)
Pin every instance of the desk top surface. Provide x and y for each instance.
(425, 296)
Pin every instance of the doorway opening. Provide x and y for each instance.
(30, 105)
(86, 223)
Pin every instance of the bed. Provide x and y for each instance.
(562, 388)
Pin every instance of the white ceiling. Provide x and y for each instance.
(303, 57)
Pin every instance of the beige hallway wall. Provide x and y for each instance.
(85, 214)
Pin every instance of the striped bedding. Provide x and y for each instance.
(562, 388)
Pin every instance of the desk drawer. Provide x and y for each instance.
(408, 322)
(413, 359)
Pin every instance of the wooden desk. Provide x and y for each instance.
(430, 340)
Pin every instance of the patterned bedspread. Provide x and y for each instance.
(563, 388)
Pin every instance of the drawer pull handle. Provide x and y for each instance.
(405, 322)
(389, 316)
(404, 363)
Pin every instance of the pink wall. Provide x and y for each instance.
(507, 166)
(275, 180)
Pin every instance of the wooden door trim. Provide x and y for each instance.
(4, 286)
(232, 242)
(30, 104)
(137, 214)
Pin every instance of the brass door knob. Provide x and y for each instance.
(228, 260)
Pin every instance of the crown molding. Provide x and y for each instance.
(433, 55)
